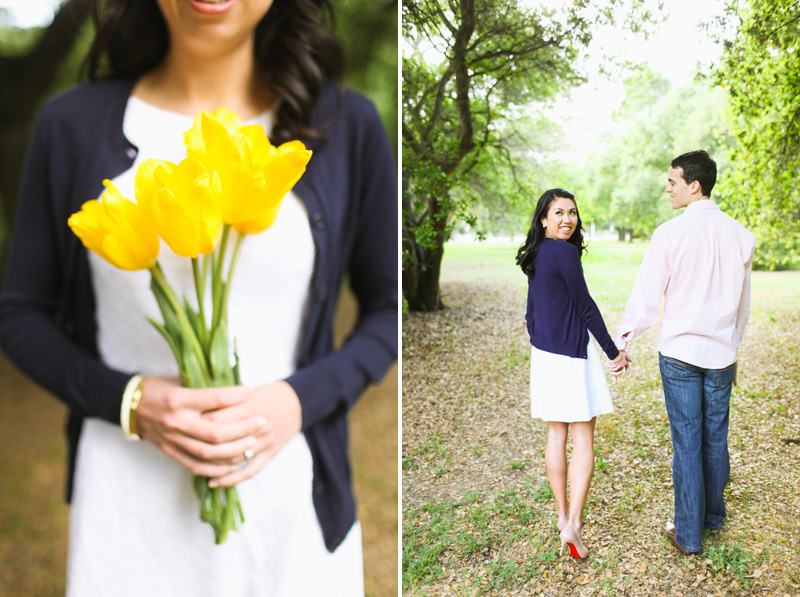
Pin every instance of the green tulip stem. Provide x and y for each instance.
(217, 279)
(199, 286)
(236, 249)
(161, 280)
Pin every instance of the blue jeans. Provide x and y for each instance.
(697, 402)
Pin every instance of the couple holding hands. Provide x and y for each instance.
(700, 262)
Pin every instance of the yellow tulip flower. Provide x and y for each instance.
(208, 129)
(117, 230)
(255, 175)
(183, 202)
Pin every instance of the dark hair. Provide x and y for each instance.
(698, 165)
(295, 52)
(526, 256)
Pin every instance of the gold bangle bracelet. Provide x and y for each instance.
(137, 395)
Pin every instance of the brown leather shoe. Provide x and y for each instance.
(668, 530)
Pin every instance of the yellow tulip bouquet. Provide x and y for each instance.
(233, 178)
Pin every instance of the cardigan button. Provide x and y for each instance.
(321, 295)
(131, 152)
(317, 221)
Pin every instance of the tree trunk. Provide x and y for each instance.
(422, 265)
(421, 283)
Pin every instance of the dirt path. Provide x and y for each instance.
(477, 513)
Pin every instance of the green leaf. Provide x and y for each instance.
(231, 497)
(200, 486)
(167, 312)
(194, 318)
(237, 379)
(207, 508)
(192, 375)
(173, 343)
(222, 372)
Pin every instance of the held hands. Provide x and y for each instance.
(208, 431)
(620, 365)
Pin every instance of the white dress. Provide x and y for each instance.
(134, 520)
(568, 389)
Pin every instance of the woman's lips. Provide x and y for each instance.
(211, 7)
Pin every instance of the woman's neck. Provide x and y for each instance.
(188, 84)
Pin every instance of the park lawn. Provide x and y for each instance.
(477, 511)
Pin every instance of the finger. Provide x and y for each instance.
(236, 474)
(209, 399)
(228, 453)
(194, 466)
(231, 414)
(210, 432)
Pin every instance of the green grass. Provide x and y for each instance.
(732, 559)
(610, 268)
(440, 533)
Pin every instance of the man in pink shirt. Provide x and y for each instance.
(700, 262)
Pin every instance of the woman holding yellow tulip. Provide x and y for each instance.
(174, 191)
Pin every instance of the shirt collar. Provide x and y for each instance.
(702, 204)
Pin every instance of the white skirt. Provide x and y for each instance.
(568, 389)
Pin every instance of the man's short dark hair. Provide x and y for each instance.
(698, 165)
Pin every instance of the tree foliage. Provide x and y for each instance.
(471, 68)
(761, 71)
(624, 181)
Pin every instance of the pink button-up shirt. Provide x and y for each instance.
(700, 262)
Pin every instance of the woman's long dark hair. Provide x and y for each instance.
(295, 52)
(526, 256)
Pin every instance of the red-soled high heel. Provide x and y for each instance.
(570, 536)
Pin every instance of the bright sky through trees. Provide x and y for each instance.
(30, 13)
(675, 49)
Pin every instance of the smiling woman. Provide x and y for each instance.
(567, 386)
(74, 323)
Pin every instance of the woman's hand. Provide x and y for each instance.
(619, 365)
(276, 408)
(174, 419)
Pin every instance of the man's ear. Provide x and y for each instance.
(695, 186)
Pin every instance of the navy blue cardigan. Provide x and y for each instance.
(47, 323)
(560, 308)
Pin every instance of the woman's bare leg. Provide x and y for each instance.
(581, 468)
(555, 458)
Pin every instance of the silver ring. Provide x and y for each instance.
(248, 454)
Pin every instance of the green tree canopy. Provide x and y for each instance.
(761, 71)
(472, 66)
(624, 181)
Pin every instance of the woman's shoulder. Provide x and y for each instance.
(87, 103)
(86, 95)
(553, 247)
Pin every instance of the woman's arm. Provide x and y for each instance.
(334, 382)
(587, 308)
(32, 332)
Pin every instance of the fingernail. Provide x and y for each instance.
(213, 484)
(261, 422)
